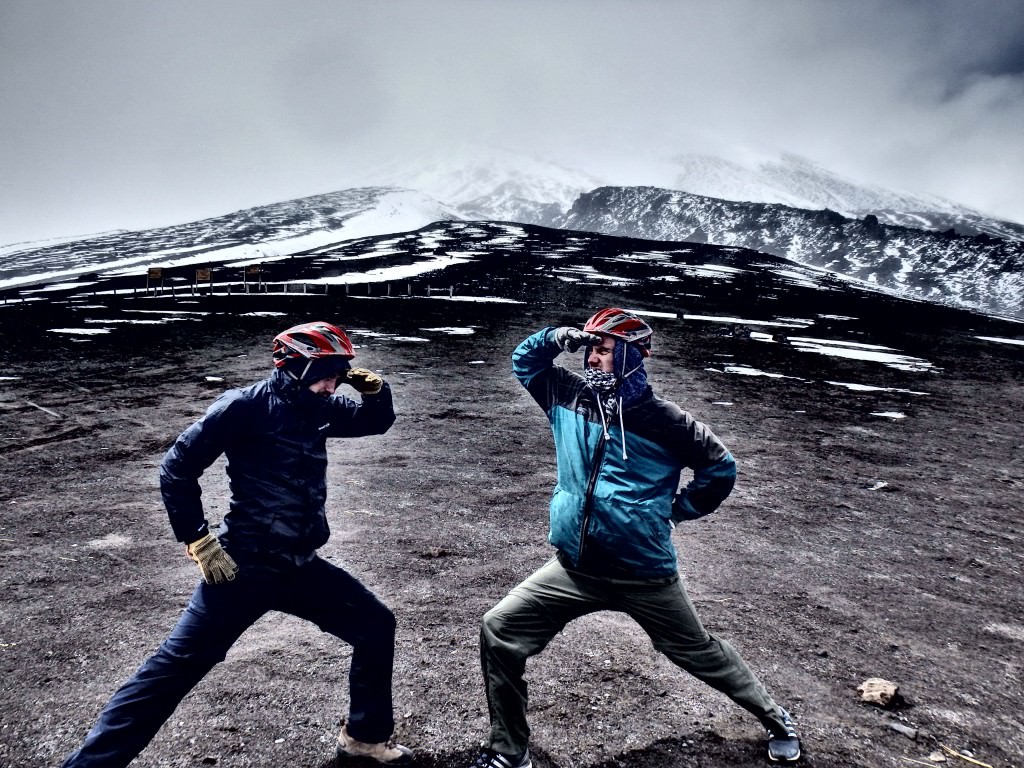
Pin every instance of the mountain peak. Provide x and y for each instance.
(482, 179)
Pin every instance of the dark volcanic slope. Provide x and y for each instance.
(874, 531)
(733, 290)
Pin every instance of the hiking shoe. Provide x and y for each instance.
(784, 747)
(384, 752)
(488, 758)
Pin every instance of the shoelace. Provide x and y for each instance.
(790, 727)
(488, 758)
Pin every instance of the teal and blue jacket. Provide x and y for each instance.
(618, 495)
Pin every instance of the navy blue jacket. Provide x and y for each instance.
(274, 436)
(617, 500)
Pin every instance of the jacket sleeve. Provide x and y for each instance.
(714, 469)
(373, 416)
(184, 463)
(706, 491)
(533, 364)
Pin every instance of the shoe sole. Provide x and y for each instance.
(342, 756)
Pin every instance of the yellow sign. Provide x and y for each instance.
(253, 269)
(155, 273)
(203, 275)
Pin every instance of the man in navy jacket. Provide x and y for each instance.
(620, 453)
(274, 435)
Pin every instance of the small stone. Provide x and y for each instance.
(906, 730)
(880, 692)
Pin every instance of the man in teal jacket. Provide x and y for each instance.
(620, 453)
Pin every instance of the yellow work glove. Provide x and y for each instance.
(214, 563)
(363, 381)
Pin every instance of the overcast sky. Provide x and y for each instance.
(128, 114)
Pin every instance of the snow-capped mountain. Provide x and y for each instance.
(800, 183)
(485, 184)
(264, 233)
(978, 271)
(919, 246)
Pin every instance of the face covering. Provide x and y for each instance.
(629, 381)
(629, 365)
(616, 391)
(602, 381)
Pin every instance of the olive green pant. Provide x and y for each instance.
(525, 621)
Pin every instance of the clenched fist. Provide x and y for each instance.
(364, 381)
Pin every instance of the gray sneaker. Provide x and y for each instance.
(784, 747)
(488, 758)
(384, 752)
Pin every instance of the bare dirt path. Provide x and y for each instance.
(854, 546)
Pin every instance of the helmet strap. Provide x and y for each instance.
(297, 377)
(630, 373)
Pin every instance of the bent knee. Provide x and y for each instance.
(383, 622)
(388, 622)
(496, 620)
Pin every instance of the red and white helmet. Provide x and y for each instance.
(624, 325)
(310, 349)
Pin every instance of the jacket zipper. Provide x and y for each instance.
(595, 470)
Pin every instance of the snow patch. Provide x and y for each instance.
(80, 331)
(1000, 340)
(452, 331)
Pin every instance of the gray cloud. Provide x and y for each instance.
(122, 114)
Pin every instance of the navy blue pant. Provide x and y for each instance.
(214, 619)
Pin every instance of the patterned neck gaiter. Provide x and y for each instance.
(605, 385)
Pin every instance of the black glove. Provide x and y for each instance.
(570, 339)
(364, 381)
(214, 563)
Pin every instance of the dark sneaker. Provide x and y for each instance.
(488, 758)
(784, 747)
(384, 752)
